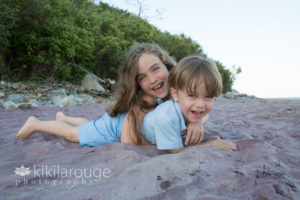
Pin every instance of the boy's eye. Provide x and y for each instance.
(209, 97)
(192, 95)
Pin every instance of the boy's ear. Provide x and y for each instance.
(174, 95)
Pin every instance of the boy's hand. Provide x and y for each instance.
(194, 134)
(221, 144)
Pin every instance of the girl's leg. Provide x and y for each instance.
(74, 121)
(59, 128)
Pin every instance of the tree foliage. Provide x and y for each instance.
(45, 38)
(228, 76)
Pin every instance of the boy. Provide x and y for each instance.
(194, 83)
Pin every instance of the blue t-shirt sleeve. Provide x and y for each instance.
(167, 133)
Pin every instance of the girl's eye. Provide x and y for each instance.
(156, 68)
(141, 78)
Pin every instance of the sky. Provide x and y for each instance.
(260, 36)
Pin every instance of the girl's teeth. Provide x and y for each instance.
(157, 87)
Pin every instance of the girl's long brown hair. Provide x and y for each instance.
(127, 92)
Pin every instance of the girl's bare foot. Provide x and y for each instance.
(27, 129)
(60, 116)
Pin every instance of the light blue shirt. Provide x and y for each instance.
(163, 125)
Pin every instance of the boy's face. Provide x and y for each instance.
(153, 76)
(193, 105)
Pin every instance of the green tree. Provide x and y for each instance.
(49, 38)
(228, 76)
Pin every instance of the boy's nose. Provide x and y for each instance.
(200, 103)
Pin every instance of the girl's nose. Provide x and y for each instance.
(152, 79)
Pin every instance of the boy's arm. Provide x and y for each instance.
(215, 142)
(220, 143)
(195, 132)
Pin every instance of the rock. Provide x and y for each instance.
(16, 98)
(58, 101)
(63, 101)
(9, 104)
(252, 97)
(234, 94)
(86, 99)
(235, 91)
(15, 85)
(35, 103)
(57, 97)
(264, 167)
(25, 106)
(2, 94)
(28, 97)
(49, 95)
(109, 84)
(1, 104)
(61, 92)
(92, 82)
(230, 95)
(70, 100)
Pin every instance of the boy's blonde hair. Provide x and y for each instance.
(191, 71)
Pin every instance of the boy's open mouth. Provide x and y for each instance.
(197, 114)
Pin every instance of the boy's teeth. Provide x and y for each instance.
(198, 113)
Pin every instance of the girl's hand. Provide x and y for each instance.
(194, 134)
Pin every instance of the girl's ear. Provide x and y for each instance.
(174, 95)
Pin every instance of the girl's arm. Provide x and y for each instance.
(176, 150)
(128, 136)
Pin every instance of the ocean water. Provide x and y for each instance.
(284, 98)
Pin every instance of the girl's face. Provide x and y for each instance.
(153, 76)
(193, 105)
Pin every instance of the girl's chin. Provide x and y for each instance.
(162, 95)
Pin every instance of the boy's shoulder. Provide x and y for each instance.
(170, 104)
(168, 109)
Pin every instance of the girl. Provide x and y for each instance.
(144, 76)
